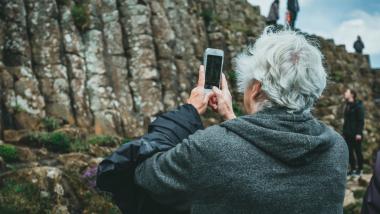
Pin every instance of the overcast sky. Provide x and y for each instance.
(341, 20)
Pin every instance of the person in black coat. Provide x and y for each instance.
(274, 14)
(293, 9)
(359, 45)
(371, 200)
(353, 130)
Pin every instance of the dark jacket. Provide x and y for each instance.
(274, 12)
(293, 5)
(371, 200)
(115, 173)
(353, 119)
(358, 45)
(268, 162)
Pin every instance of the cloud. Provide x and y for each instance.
(264, 5)
(339, 20)
(360, 23)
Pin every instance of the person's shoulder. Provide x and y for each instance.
(210, 133)
(331, 132)
(359, 104)
(337, 140)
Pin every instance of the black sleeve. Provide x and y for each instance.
(360, 120)
(372, 196)
(115, 174)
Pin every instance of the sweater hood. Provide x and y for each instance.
(292, 138)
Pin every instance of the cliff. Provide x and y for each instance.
(72, 69)
(109, 66)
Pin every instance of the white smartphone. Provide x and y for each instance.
(213, 62)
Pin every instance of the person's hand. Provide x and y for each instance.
(358, 137)
(222, 101)
(198, 97)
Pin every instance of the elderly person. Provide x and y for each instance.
(276, 159)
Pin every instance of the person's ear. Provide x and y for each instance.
(255, 90)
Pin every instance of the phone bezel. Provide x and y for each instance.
(214, 52)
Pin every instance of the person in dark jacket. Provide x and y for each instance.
(274, 13)
(371, 199)
(293, 9)
(276, 159)
(359, 45)
(353, 130)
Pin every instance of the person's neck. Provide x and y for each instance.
(351, 100)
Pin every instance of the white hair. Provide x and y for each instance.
(288, 66)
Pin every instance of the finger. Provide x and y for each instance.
(212, 104)
(224, 82)
(217, 92)
(209, 95)
(201, 76)
(214, 99)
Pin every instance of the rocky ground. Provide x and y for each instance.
(53, 172)
(355, 191)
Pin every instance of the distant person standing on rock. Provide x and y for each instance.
(274, 13)
(293, 9)
(359, 45)
(353, 130)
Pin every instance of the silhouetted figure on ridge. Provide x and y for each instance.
(293, 9)
(274, 14)
(359, 45)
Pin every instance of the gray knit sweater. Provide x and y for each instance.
(269, 162)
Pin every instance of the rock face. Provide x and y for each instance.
(110, 65)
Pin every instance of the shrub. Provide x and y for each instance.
(51, 123)
(79, 146)
(58, 142)
(53, 141)
(8, 152)
(81, 16)
(208, 16)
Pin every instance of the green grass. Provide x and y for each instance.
(60, 142)
(9, 153)
(81, 16)
(207, 15)
(337, 76)
(22, 197)
(51, 123)
(53, 141)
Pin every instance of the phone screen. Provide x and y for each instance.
(213, 69)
